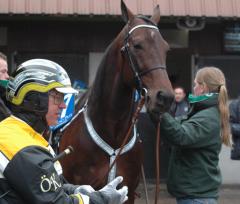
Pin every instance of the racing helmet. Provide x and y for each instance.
(37, 75)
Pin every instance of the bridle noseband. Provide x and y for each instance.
(126, 50)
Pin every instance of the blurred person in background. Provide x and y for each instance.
(4, 110)
(180, 105)
(234, 108)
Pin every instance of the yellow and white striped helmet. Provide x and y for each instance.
(39, 75)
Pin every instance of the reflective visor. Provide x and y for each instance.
(66, 90)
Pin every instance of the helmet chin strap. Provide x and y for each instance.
(33, 111)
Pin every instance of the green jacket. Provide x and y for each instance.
(193, 168)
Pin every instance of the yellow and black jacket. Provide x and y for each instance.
(27, 172)
(4, 111)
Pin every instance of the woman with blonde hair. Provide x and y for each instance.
(194, 175)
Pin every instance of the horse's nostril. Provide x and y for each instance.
(148, 99)
(171, 99)
(160, 95)
(164, 98)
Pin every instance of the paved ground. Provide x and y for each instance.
(228, 195)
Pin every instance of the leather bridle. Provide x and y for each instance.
(139, 86)
(126, 50)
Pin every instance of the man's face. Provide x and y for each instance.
(179, 94)
(3, 70)
(55, 105)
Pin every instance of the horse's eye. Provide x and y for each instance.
(137, 46)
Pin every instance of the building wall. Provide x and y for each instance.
(207, 41)
(83, 37)
(64, 41)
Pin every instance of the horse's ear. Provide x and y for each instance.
(126, 13)
(156, 15)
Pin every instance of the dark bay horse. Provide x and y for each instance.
(134, 60)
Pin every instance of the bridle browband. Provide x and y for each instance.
(126, 50)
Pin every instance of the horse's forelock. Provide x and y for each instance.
(146, 19)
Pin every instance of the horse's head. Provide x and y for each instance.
(144, 54)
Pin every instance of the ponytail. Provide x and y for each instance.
(224, 115)
(215, 81)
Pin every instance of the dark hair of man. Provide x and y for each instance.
(2, 56)
(180, 87)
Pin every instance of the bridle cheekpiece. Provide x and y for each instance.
(126, 50)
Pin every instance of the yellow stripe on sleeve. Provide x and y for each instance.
(83, 199)
(79, 198)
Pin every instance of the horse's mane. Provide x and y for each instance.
(83, 99)
(96, 88)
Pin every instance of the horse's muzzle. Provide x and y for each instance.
(164, 100)
(161, 104)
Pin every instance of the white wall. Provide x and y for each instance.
(94, 61)
(230, 168)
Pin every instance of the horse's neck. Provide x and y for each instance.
(110, 103)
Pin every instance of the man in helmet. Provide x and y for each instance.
(28, 172)
(4, 111)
